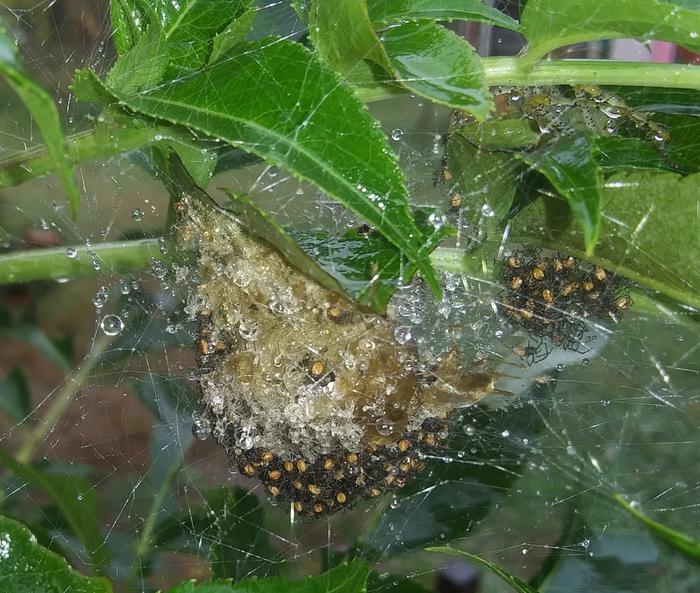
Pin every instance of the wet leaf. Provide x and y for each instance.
(387, 11)
(513, 581)
(26, 567)
(681, 542)
(345, 578)
(549, 24)
(44, 112)
(141, 67)
(77, 502)
(344, 37)
(262, 226)
(189, 28)
(644, 214)
(128, 22)
(14, 395)
(302, 119)
(436, 63)
(570, 166)
(366, 264)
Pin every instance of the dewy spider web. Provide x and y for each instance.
(526, 476)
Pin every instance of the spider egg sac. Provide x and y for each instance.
(303, 389)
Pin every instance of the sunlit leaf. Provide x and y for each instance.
(129, 20)
(44, 112)
(644, 215)
(76, 498)
(549, 24)
(680, 541)
(386, 11)
(436, 63)
(303, 120)
(570, 166)
(513, 581)
(27, 567)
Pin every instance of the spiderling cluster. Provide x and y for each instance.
(554, 297)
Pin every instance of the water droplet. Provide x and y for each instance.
(80, 496)
(469, 430)
(402, 334)
(137, 215)
(395, 503)
(158, 269)
(100, 298)
(384, 426)
(71, 252)
(241, 278)
(524, 551)
(487, 211)
(505, 434)
(201, 427)
(112, 325)
(396, 134)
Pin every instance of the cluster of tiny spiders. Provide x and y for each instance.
(339, 479)
(555, 111)
(553, 297)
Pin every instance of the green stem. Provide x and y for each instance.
(61, 401)
(516, 72)
(54, 263)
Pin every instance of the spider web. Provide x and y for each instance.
(527, 476)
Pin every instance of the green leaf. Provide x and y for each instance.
(387, 11)
(644, 216)
(190, 26)
(76, 498)
(549, 24)
(686, 545)
(27, 567)
(87, 86)
(345, 578)
(366, 264)
(129, 20)
(500, 134)
(344, 37)
(513, 581)
(14, 395)
(141, 67)
(435, 63)
(261, 225)
(44, 112)
(232, 35)
(239, 548)
(678, 111)
(570, 166)
(616, 152)
(302, 119)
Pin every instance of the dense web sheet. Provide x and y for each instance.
(529, 473)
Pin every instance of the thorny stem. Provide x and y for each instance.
(61, 401)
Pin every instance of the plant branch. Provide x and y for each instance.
(54, 263)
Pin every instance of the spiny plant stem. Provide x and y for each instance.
(61, 401)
